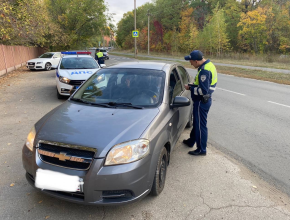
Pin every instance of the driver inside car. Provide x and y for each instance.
(126, 89)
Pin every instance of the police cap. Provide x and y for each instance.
(194, 55)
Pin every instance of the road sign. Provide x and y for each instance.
(135, 33)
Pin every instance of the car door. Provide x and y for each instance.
(186, 111)
(176, 89)
(55, 60)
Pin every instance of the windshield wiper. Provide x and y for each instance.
(91, 103)
(124, 104)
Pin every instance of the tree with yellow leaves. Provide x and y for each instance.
(254, 30)
(184, 34)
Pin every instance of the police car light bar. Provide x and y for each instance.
(74, 52)
(84, 53)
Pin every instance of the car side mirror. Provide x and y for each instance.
(103, 65)
(180, 101)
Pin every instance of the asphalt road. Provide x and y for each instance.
(247, 126)
(250, 120)
(217, 64)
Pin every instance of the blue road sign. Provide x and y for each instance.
(135, 33)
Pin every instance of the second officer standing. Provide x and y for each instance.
(99, 57)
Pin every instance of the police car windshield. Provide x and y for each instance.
(46, 55)
(78, 63)
(139, 87)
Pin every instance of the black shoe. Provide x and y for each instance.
(197, 153)
(187, 143)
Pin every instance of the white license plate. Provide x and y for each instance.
(51, 180)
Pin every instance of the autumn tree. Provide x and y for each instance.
(80, 20)
(184, 31)
(254, 30)
(232, 12)
(27, 22)
(125, 28)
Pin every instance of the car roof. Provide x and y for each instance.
(144, 65)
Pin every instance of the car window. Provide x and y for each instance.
(175, 86)
(78, 63)
(46, 55)
(183, 74)
(142, 87)
(57, 55)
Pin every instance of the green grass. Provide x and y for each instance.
(267, 61)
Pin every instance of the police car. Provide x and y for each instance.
(73, 70)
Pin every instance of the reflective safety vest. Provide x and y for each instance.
(100, 54)
(209, 67)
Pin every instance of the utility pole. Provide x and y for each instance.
(135, 54)
(148, 31)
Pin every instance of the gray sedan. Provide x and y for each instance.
(111, 142)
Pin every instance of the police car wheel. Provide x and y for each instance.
(160, 173)
(47, 66)
(59, 96)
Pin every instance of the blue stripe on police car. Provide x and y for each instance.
(81, 72)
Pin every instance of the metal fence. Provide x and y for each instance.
(13, 57)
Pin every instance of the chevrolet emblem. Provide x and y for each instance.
(62, 156)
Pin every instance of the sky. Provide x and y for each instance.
(119, 7)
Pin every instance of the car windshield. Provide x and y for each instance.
(123, 87)
(78, 63)
(46, 55)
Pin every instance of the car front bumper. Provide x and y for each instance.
(63, 88)
(103, 185)
(36, 66)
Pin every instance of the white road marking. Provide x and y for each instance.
(231, 91)
(279, 104)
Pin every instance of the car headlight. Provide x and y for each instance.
(30, 138)
(128, 152)
(39, 62)
(64, 80)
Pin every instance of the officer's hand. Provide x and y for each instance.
(187, 87)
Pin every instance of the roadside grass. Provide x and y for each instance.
(267, 61)
(280, 78)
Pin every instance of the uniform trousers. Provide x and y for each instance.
(198, 134)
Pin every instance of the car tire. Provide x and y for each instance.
(190, 122)
(47, 66)
(59, 96)
(160, 173)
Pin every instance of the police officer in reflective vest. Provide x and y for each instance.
(201, 92)
(99, 57)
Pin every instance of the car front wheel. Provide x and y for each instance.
(47, 66)
(59, 96)
(160, 173)
(190, 122)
